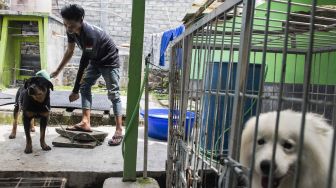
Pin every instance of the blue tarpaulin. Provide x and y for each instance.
(168, 36)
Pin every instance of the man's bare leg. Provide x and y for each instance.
(85, 123)
(118, 120)
(117, 137)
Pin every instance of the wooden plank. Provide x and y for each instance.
(3, 4)
(99, 135)
(61, 141)
(198, 8)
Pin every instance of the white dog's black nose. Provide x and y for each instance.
(265, 167)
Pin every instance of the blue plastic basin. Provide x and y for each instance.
(158, 123)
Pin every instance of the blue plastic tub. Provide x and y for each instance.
(215, 124)
(158, 123)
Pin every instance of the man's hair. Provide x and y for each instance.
(73, 12)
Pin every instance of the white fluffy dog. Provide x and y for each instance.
(315, 160)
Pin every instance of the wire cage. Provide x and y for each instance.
(245, 58)
(33, 182)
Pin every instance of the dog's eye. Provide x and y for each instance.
(261, 141)
(287, 145)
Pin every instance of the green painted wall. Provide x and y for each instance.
(323, 68)
(10, 45)
(1, 22)
(9, 59)
(3, 44)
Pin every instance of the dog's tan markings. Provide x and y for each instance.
(30, 114)
(44, 146)
(44, 114)
(39, 97)
(32, 125)
(15, 122)
(29, 147)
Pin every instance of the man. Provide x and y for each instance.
(99, 58)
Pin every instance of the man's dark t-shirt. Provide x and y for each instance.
(98, 50)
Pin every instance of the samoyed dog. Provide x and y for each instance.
(315, 160)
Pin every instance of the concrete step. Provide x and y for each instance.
(62, 117)
(139, 183)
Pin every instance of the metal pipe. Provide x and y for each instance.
(306, 86)
(242, 69)
(200, 111)
(332, 156)
(170, 148)
(219, 84)
(214, 123)
(147, 61)
(134, 72)
(260, 92)
(283, 73)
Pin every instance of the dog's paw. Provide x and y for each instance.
(12, 136)
(28, 150)
(46, 147)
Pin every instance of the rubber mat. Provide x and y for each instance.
(6, 99)
(60, 99)
(61, 141)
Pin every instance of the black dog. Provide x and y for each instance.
(34, 101)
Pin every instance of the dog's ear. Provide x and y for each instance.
(50, 86)
(46, 83)
(26, 83)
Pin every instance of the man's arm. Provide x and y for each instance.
(66, 58)
(82, 66)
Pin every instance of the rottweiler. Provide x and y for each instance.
(33, 99)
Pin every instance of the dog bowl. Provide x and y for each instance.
(158, 123)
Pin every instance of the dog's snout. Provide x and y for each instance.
(265, 167)
(31, 90)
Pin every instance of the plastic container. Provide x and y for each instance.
(214, 123)
(43, 73)
(158, 123)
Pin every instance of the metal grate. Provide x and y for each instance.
(241, 60)
(33, 182)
